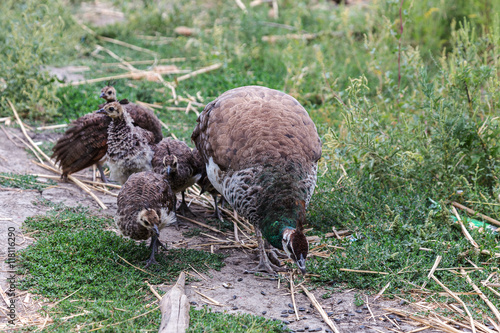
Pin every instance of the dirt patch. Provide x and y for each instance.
(236, 291)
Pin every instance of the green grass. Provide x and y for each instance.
(24, 182)
(81, 266)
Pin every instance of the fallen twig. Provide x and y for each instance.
(474, 213)
(464, 229)
(292, 293)
(320, 310)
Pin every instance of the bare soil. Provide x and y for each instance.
(236, 291)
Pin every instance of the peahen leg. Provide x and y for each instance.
(153, 246)
(183, 208)
(101, 172)
(265, 264)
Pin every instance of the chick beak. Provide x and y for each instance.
(169, 169)
(155, 227)
(102, 111)
(302, 264)
(102, 95)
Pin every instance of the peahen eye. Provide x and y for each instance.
(111, 109)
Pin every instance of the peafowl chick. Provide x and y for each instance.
(86, 141)
(175, 160)
(261, 151)
(146, 205)
(129, 147)
(142, 116)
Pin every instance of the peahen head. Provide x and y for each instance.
(108, 93)
(296, 247)
(149, 219)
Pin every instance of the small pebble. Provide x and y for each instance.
(362, 327)
(311, 306)
(391, 316)
(304, 318)
(284, 315)
(307, 327)
(351, 314)
(291, 311)
(340, 301)
(264, 312)
(235, 308)
(359, 311)
(319, 329)
(234, 296)
(300, 330)
(398, 320)
(337, 320)
(364, 307)
(284, 311)
(263, 293)
(308, 311)
(322, 321)
(328, 331)
(286, 322)
(329, 313)
(491, 327)
(290, 305)
(240, 279)
(193, 303)
(302, 309)
(402, 302)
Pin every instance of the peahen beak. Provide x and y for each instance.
(155, 227)
(302, 264)
(102, 111)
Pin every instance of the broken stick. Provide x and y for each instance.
(174, 307)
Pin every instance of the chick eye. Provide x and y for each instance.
(109, 92)
(146, 223)
(111, 109)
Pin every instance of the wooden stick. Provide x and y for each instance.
(147, 62)
(382, 290)
(241, 5)
(369, 309)
(292, 293)
(198, 72)
(320, 310)
(458, 299)
(481, 295)
(433, 269)
(361, 271)
(174, 307)
(464, 229)
(474, 213)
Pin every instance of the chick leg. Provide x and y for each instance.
(153, 246)
(184, 207)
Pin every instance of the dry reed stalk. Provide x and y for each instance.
(241, 5)
(464, 229)
(433, 269)
(51, 127)
(130, 46)
(120, 59)
(292, 293)
(320, 310)
(198, 72)
(458, 299)
(361, 271)
(275, 38)
(76, 181)
(474, 213)
(382, 291)
(201, 224)
(153, 290)
(481, 295)
(214, 302)
(148, 62)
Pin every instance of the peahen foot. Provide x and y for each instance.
(183, 207)
(153, 246)
(265, 264)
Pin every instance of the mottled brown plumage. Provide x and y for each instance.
(129, 147)
(261, 150)
(146, 205)
(85, 142)
(175, 160)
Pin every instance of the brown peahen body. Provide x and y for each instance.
(261, 150)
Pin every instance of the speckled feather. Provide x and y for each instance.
(143, 190)
(189, 167)
(83, 144)
(261, 150)
(129, 147)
